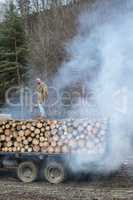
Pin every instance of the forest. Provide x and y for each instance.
(33, 35)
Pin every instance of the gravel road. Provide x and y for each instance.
(118, 187)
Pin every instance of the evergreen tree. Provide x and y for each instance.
(13, 50)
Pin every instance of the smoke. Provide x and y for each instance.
(101, 60)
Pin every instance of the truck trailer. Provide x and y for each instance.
(48, 148)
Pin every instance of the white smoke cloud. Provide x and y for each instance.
(102, 51)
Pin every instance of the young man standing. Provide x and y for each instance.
(42, 95)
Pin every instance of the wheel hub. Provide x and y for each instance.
(28, 173)
(54, 173)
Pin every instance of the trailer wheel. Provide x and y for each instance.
(54, 172)
(27, 172)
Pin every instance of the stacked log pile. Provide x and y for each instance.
(51, 136)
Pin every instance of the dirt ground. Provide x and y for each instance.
(118, 187)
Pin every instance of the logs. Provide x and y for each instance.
(51, 136)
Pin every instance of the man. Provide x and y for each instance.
(42, 95)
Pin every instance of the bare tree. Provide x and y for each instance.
(41, 5)
(24, 6)
(49, 31)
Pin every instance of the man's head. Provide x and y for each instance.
(38, 81)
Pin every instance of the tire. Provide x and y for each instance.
(27, 172)
(54, 172)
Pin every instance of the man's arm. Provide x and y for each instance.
(45, 91)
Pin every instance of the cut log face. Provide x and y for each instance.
(37, 131)
(39, 125)
(51, 136)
